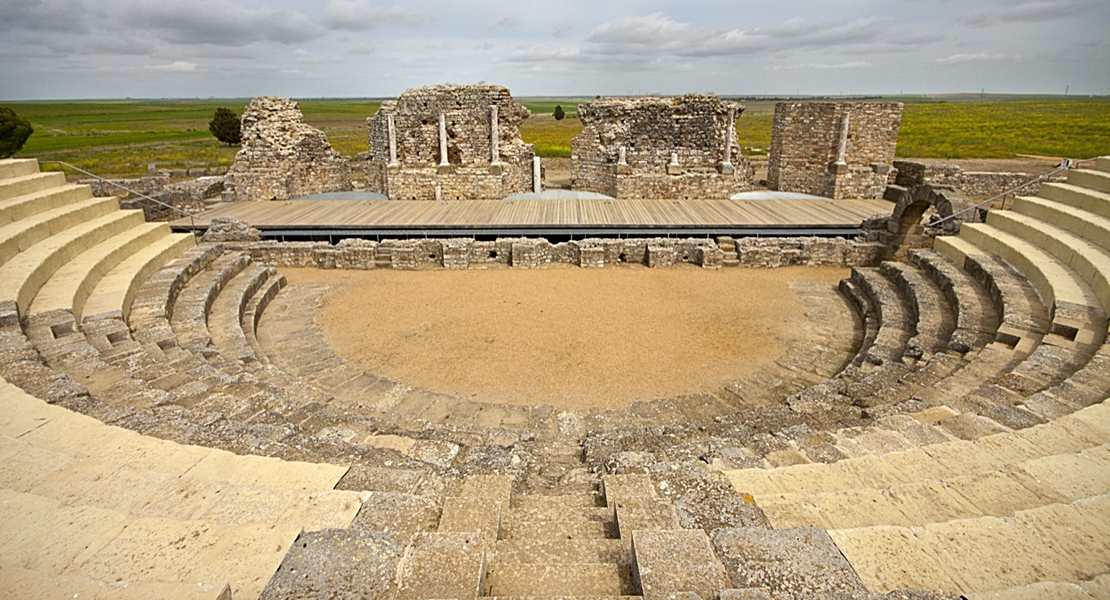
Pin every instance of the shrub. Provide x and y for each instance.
(225, 126)
(558, 114)
(14, 131)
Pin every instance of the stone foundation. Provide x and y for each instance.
(665, 148)
(834, 149)
(535, 253)
(449, 142)
(282, 157)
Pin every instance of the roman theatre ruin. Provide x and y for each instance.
(428, 375)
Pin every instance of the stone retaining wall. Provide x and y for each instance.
(659, 148)
(978, 185)
(530, 253)
(833, 149)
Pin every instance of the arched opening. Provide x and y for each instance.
(909, 224)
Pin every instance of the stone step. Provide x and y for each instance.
(1085, 256)
(254, 309)
(1099, 587)
(23, 276)
(558, 513)
(87, 482)
(110, 546)
(561, 551)
(226, 317)
(1061, 288)
(1072, 433)
(1021, 486)
(30, 584)
(895, 327)
(1092, 227)
(557, 501)
(1102, 163)
(11, 187)
(70, 285)
(1058, 542)
(558, 530)
(114, 293)
(194, 302)
(976, 319)
(561, 580)
(18, 167)
(1090, 179)
(22, 207)
(666, 562)
(426, 573)
(1079, 197)
(21, 235)
(930, 310)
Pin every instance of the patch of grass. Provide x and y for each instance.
(119, 138)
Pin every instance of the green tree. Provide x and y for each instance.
(14, 131)
(558, 114)
(225, 126)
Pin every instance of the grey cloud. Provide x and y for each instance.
(62, 16)
(361, 15)
(218, 22)
(1027, 12)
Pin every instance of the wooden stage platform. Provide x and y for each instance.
(575, 218)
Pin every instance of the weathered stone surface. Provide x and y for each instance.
(399, 515)
(412, 168)
(665, 148)
(227, 229)
(812, 151)
(668, 561)
(974, 184)
(282, 157)
(793, 564)
(337, 563)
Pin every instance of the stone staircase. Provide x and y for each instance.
(961, 417)
(1017, 507)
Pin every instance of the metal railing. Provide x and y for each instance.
(1064, 165)
(192, 217)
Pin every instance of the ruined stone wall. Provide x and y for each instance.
(531, 253)
(471, 172)
(674, 148)
(806, 143)
(282, 157)
(977, 185)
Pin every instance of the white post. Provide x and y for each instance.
(674, 159)
(537, 175)
(392, 141)
(443, 162)
(495, 152)
(843, 138)
(730, 127)
(439, 193)
(622, 156)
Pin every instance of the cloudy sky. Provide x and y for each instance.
(377, 48)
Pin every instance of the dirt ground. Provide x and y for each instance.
(574, 338)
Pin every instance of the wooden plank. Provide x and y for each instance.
(563, 213)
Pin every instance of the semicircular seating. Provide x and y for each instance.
(963, 418)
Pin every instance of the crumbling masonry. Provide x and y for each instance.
(450, 142)
(665, 148)
(834, 149)
(282, 157)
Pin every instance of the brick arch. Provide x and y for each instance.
(905, 221)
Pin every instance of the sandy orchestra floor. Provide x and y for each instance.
(571, 337)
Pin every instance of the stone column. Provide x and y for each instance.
(495, 153)
(622, 156)
(843, 149)
(392, 141)
(443, 162)
(726, 153)
(537, 175)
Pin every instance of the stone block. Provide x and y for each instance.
(792, 564)
(337, 563)
(659, 256)
(669, 561)
(441, 565)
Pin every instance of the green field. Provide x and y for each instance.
(120, 138)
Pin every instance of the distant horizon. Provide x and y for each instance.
(931, 95)
(116, 49)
